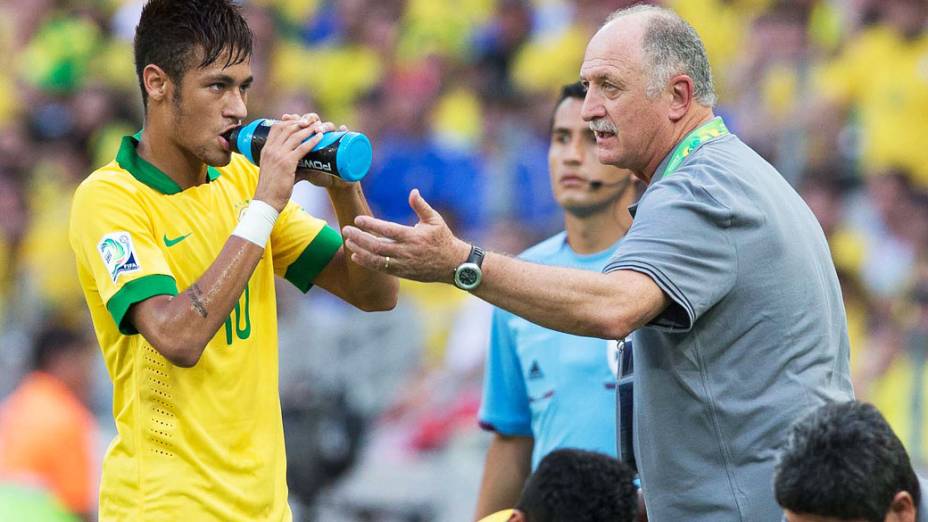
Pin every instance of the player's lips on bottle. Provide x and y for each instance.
(225, 138)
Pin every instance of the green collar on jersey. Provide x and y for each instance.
(714, 128)
(128, 158)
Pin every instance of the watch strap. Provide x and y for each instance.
(476, 255)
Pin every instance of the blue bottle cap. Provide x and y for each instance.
(354, 156)
(245, 135)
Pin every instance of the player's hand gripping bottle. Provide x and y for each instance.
(340, 153)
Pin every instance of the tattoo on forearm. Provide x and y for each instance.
(195, 298)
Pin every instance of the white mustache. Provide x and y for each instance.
(602, 125)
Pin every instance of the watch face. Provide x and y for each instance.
(468, 276)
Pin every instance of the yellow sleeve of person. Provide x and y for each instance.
(545, 64)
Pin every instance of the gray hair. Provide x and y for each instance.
(671, 46)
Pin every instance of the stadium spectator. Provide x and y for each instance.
(545, 389)
(843, 463)
(195, 372)
(47, 433)
(724, 266)
(572, 485)
(881, 77)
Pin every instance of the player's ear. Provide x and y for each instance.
(155, 81)
(902, 508)
(517, 516)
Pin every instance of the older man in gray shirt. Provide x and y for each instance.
(725, 274)
(754, 335)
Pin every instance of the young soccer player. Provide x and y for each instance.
(178, 242)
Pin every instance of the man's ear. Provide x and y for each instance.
(156, 82)
(517, 516)
(681, 91)
(902, 507)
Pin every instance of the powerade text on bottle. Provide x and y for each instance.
(340, 153)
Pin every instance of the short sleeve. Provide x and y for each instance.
(113, 239)
(302, 246)
(680, 238)
(505, 407)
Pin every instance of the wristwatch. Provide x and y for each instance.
(468, 274)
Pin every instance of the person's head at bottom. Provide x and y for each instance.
(843, 463)
(572, 485)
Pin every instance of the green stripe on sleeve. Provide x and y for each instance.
(314, 258)
(135, 291)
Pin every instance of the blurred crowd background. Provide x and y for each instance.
(456, 97)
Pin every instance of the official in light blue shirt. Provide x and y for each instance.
(543, 389)
(554, 387)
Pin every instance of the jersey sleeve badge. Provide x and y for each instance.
(118, 254)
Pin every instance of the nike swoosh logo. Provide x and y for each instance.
(176, 240)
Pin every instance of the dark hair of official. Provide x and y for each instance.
(171, 33)
(51, 342)
(844, 461)
(572, 485)
(571, 90)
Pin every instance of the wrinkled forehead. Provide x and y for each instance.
(616, 47)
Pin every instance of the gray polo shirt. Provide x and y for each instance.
(755, 336)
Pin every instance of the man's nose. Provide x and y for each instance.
(573, 152)
(236, 108)
(592, 105)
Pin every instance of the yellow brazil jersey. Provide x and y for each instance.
(202, 443)
(886, 78)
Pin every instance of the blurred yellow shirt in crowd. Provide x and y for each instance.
(545, 64)
(336, 76)
(886, 79)
(200, 443)
(46, 242)
(722, 26)
(894, 395)
(440, 28)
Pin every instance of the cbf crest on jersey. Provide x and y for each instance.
(118, 254)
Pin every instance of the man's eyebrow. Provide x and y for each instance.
(603, 76)
(225, 78)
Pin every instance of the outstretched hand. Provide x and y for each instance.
(427, 252)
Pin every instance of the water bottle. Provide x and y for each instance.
(340, 153)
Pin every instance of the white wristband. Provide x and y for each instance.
(256, 223)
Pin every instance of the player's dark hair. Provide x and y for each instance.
(51, 342)
(572, 485)
(843, 461)
(171, 33)
(571, 90)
